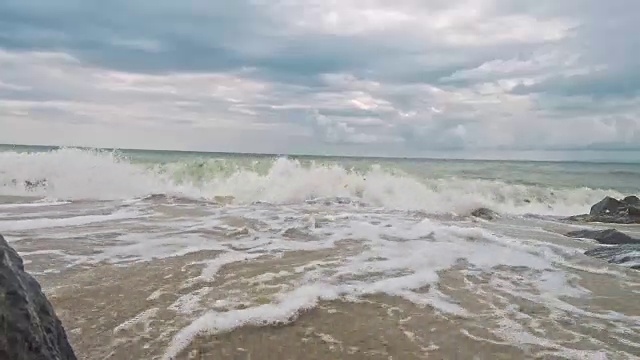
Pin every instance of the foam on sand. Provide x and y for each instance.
(402, 260)
(43, 223)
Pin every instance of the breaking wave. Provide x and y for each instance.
(74, 174)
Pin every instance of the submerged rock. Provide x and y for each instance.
(626, 255)
(29, 326)
(609, 236)
(610, 210)
(224, 200)
(484, 213)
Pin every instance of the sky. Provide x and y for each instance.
(354, 77)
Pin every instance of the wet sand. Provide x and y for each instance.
(377, 327)
(130, 312)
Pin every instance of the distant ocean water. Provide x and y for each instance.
(189, 245)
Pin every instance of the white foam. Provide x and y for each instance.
(398, 261)
(133, 247)
(144, 318)
(43, 252)
(515, 334)
(188, 303)
(33, 204)
(43, 223)
(305, 297)
(269, 276)
(213, 266)
(74, 174)
(155, 295)
(81, 174)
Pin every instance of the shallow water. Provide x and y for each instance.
(285, 259)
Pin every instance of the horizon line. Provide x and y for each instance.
(379, 157)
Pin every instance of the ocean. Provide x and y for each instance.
(178, 255)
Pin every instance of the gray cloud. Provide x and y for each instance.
(352, 76)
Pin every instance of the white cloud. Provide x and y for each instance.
(337, 130)
(356, 76)
(500, 68)
(466, 23)
(97, 95)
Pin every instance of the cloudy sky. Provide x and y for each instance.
(378, 77)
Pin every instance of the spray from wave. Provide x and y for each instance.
(74, 174)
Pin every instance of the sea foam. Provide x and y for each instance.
(73, 174)
(401, 261)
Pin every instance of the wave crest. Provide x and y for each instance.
(73, 174)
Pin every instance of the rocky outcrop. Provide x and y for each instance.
(626, 255)
(610, 210)
(609, 205)
(608, 237)
(30, 329)
(622, 249)
(484, 213)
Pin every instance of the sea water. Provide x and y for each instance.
(166, 255)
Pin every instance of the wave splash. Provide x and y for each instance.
(74, 174)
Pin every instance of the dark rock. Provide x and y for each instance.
(607, 219)
(224, 200)
(607, 205)
(609, 236)
(484, 213)
(631, 200)
(580, 218)
(294, 233)
(30, 329)
(610, 210)
(626, 255)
